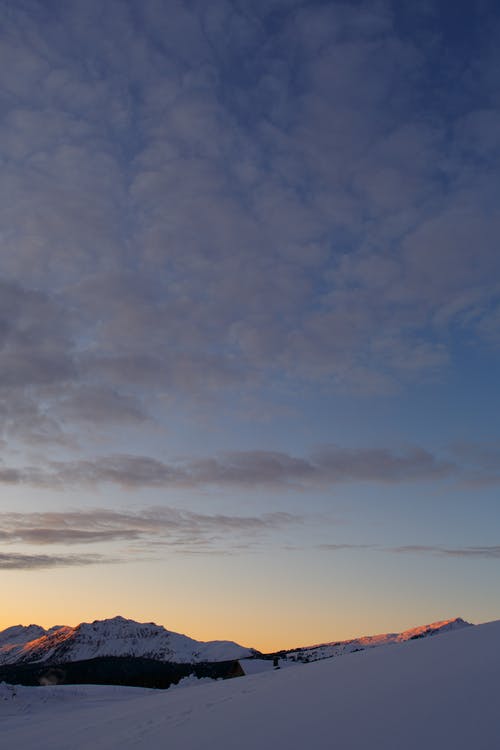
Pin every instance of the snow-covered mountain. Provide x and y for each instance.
(327, 650)
(114, 637)
(121, 637)
(19, 634)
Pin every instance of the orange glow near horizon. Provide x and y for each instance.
(199, 599)
(266, 633)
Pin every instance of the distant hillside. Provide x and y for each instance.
(337, 648)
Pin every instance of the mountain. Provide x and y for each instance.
(109, 638)
(337, 648)
(20, 634)
(119, 637)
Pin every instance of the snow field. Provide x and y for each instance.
(435, 693)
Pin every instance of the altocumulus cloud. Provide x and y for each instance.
(186, 191)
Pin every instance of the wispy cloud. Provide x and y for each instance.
(466, 464)
(479, 551)
(18, 561)
(487, 552)
(480, 462)
(151, 529)
(327, 466)
(333, 547)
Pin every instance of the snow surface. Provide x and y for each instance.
(433, 693)
(114, 637)
(255, 666)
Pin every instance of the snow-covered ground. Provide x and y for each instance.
(434, 693)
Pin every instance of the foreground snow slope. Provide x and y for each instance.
(434, 693)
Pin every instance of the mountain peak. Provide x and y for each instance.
(433, 628)
(116, 636)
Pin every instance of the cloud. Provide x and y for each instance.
(35, 346)
(17, 561)
(480, 462)
(66, 535)
(487, 552)
(492, 552)
(382, 464)
(201, 200)
(328, 466)
(339, 547)
(239, 192)
(100, 405)
(467, 464)
(151, 529)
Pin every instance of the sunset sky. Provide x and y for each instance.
(250, 315)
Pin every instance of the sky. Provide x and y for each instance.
(250, 315)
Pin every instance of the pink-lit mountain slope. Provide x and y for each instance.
(327, 650)
(121, 637)
(115, 637)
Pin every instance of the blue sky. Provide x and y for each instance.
(250, 312)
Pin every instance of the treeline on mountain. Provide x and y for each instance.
(116, 670)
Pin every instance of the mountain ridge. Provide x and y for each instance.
(338, 648)
(119, 636)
